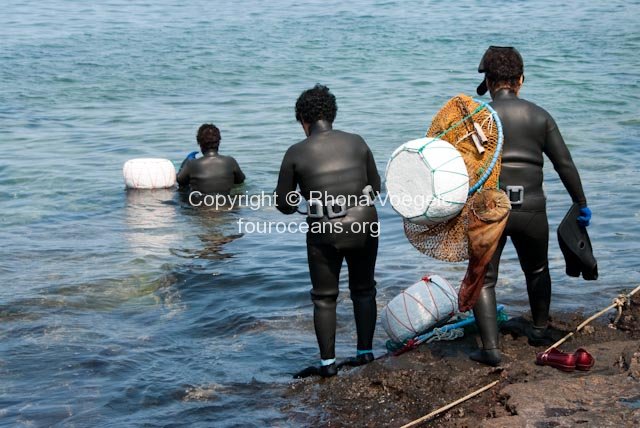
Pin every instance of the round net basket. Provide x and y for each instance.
(461, 121)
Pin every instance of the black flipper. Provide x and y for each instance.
(360, 360)
(519, 326)
(309, 371)
(576, 246)
(323, 371)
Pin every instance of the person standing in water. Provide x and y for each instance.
(335, 172)
(213, 173)
(529, 132)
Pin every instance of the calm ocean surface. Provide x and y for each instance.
(130, 309)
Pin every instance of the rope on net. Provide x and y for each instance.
(496, 154)
(492, 162)
(457, 122)
(441, 333)
(450, 334)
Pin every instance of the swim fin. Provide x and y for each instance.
(309, 371)
(576, 246)
(322, 371)
(358, 360)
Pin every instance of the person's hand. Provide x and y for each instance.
(585, 217)
(190, 156)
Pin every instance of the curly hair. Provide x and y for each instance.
(504, 67)
(208, 137)
(316, 104)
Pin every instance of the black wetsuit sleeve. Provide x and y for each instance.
(557, 151)
(286, 183)
(373, 178)
(184, 175)
(238, 175)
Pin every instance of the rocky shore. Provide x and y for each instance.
(395, 390)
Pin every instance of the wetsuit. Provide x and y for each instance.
(529, 131)
(211, 174)
(335, 163)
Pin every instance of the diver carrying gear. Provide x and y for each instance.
(336, 164)
(529, 133)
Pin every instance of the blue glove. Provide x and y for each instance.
(191, 155)
(585, 217)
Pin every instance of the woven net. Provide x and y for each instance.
(454, 123)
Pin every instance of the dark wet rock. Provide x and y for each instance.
(393, 391)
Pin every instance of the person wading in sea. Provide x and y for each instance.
(213, 173)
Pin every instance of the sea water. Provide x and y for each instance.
(133, 309)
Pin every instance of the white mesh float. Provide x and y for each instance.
(149, 173)
(416, 309)
(427, 181)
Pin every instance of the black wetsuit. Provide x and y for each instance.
(529, 131)
(211, 174)
(336, 163)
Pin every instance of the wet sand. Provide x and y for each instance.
(395, 390)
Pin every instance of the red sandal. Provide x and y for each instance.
(584, 360)
(558, 359)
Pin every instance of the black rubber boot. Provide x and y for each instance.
(539, 336)
(539, 290)
(485, 314)
(490, 357)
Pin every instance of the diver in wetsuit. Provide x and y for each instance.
(213, 173)
(334, 170)
(529, 132)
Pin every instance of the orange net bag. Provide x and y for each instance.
(461, 121)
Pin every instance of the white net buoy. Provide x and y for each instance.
(418, 308)
(427, 181)
(149, 173)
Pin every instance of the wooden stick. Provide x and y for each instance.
(476, 142)
(483, 138)
(591, 318)
(450, 405)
